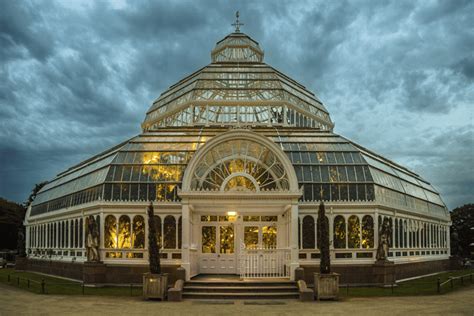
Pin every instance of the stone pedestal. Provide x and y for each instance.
(326, 286)
(94, 272)
(384, 272)
(21, 263)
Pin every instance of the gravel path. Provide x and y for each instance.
(18, 302)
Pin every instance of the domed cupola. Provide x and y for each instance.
(237, 47)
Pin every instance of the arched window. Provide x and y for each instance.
(422, 237)
(396, 233)
(410, 234)
(124, 232)
(339, 232)
(180, 232)
(76, 234)
(437, 236)
(426, 235)
(110, 232)
(71, 228)
(400, 233)
(48, 235)
(240, 165)
(390, 239)
(299, 233)
(157, 221)
(309, 240)
(353, 230)
(56, 230)
(67, 234)
(417, 234)
(367, 232)
(169, 228)
(81, 232)
(405, 234)
(61, 234)
(138, 232)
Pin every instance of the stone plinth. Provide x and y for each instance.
(21, 263)
(384, 272)
(94, 272)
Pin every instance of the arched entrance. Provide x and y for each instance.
(240, 210)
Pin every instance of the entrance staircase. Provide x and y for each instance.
(236, 289)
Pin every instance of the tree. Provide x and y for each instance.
(11, 218)
(323, 240)
(462, 230)
(34, 192)
(153, 251)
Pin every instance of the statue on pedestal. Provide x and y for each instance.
(384, 240)
(92, 239)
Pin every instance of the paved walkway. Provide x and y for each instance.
(18, 302)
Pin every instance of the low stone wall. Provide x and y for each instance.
(98, 273)
(72, 270)
(366, 274)
(409, 270)
(349, 274)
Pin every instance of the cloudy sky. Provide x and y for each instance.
(76, 77)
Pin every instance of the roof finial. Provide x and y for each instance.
(237, 23)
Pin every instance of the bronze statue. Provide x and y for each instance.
(92, 240)
(384, 240)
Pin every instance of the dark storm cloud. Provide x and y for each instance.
(78, 77)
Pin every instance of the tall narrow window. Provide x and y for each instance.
(169, 228)
(81, 232)
(157, 221)
(67, 234)
(180, 232)
(309, 240)
(396, 233)
(353, 229)
(71, 228)
(76, 235)
(368, 232)
(138, 232)
(110, 232)
(405, 234)
(339, 232)
(124, 232)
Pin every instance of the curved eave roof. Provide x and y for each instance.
(387, 175)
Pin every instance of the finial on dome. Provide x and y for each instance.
(237, 23)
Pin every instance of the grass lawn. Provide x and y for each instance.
(422, 286)
(53, 285)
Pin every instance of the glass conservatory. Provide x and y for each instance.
(236, 158)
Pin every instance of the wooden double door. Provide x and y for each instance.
(218, 245)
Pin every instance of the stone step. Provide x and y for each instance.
(240, 289)
(239, 283)
(239, 295)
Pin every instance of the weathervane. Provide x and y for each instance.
(237, 23)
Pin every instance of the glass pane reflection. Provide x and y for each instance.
(208, 239)
(227, 239)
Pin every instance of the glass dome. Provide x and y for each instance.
(238, 90)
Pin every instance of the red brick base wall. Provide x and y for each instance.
(364, 274)
(115, 274)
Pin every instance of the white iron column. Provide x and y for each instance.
(186, 221)
(293, 240)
